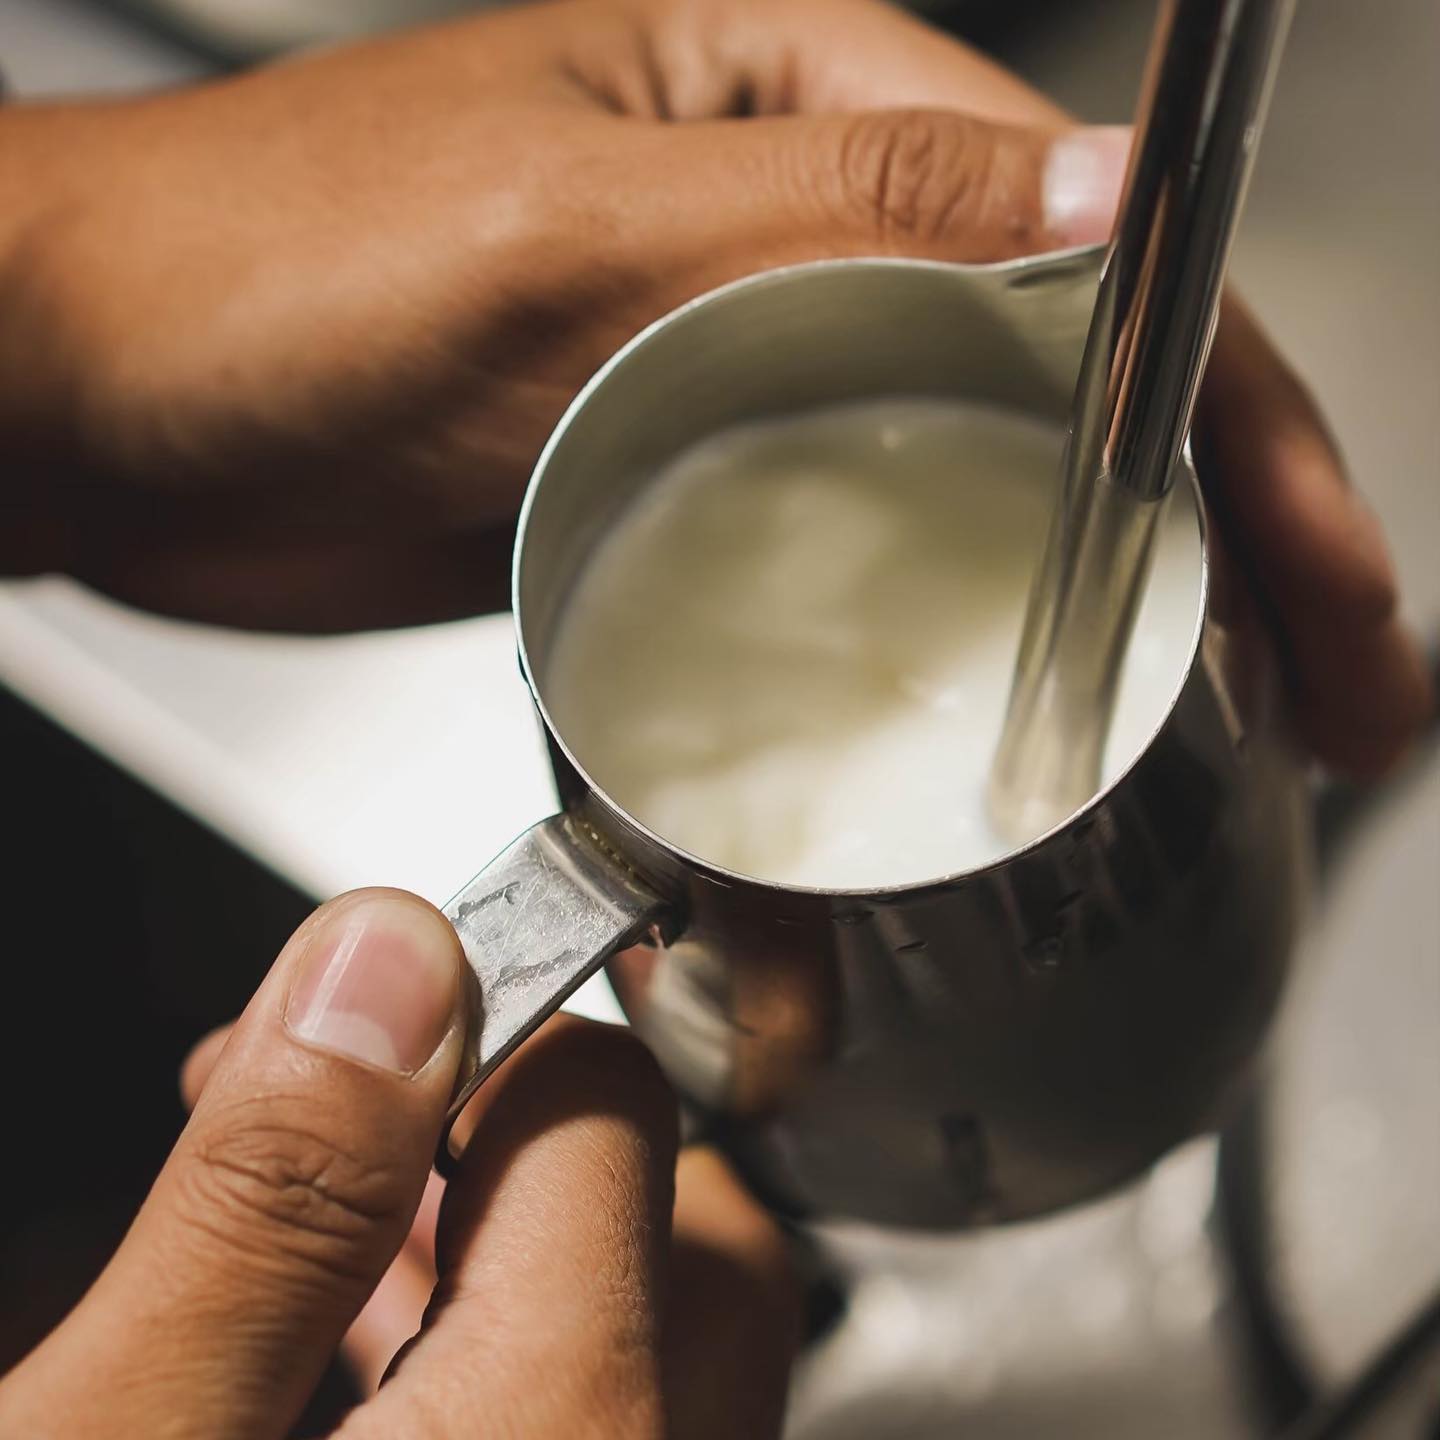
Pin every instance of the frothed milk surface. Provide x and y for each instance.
(792, 655)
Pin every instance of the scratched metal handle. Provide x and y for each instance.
(537, 922)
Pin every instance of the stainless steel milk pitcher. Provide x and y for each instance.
(979, 1048)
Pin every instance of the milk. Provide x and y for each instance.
(791, 656)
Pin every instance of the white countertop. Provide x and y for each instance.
(399, 758)
(345, 761)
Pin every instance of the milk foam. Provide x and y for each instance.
(791, 657)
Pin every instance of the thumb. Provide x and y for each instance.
(286, 1198)
(929, 183)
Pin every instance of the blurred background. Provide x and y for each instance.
(181, 797)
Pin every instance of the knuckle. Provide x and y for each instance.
(910, 172)
(276, 1184)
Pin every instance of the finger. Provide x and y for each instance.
(552, 1247)
(288, 1194)
(391, 1317)
(742, 195)
(734, 1317)
(1364, 695)
(395, 1309)
(421, 1239)
(396, 1306)
(200, 1062)
(1361, 687)
(394, 1312)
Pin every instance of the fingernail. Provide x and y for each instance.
(1084, 173)
(379, 983)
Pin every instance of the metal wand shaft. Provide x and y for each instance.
(1211, 67)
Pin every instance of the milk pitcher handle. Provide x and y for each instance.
(537, 922)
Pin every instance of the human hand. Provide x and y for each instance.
(282, 349)
(566, 1303)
